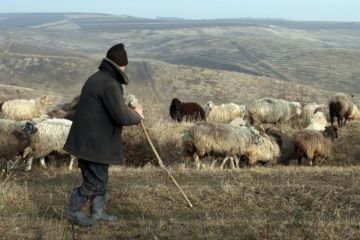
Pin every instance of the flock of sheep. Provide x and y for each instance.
(236, 132)
(28, 133)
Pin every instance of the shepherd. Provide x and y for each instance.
(95, 135)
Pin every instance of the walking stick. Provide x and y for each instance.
(162, 164)
(132, 102)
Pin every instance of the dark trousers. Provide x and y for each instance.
(95, 178)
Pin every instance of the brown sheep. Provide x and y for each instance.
(267, 151)
(13, 143)
(58, 113)
(189, 111)
(71, 106)
(341, 107)
(66, 111)
(311, 143)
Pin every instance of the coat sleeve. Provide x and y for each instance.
(115, 105)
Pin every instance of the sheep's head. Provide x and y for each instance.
(174, 107)
(46, 100)
(25, 131)
(331, 132)
(296, 108)
(131, 101)
(209, 105)
(238, 122)
(275, 134)
(256, 135)
(242, 108)
(29, 128)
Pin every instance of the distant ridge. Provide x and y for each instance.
(89, 20)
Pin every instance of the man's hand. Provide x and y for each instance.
(139, 110)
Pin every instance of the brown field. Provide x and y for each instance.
(256, 203)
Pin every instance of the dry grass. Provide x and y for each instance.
(257, 203)
(280, 202)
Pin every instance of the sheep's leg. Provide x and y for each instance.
(197, 161)
(299, 158)
(339, 121)
(262, 128)
(251, 161)
(29, 164)
(310, 162)
(71, 162)
(27, 152)
(332, 118)
(237, 162)
(212, 166)
(223, 163)
(232, 162)
(42, 163)
(313, 162)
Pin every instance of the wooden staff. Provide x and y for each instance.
(162, 164)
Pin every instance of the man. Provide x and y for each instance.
(95, 135)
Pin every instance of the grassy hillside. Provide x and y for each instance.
(319, 54)
(157, 82)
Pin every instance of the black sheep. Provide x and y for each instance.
(188, 111)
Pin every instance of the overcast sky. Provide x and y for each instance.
(335, 10)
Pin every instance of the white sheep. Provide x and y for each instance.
(317, 122)
(218, 138)
(309, 109)
(271, 110)
(223, 113)
(51, 137)
(355, 114)
(21, 109)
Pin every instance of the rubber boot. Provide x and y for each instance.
(74, 212)
(98, 210)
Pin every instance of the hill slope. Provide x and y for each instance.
(319, 54)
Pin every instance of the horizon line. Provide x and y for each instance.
(182, 18)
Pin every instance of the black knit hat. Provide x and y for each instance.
(117, 54)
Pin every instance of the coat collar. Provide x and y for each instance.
(111, 67)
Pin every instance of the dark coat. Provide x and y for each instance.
(95, 134)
